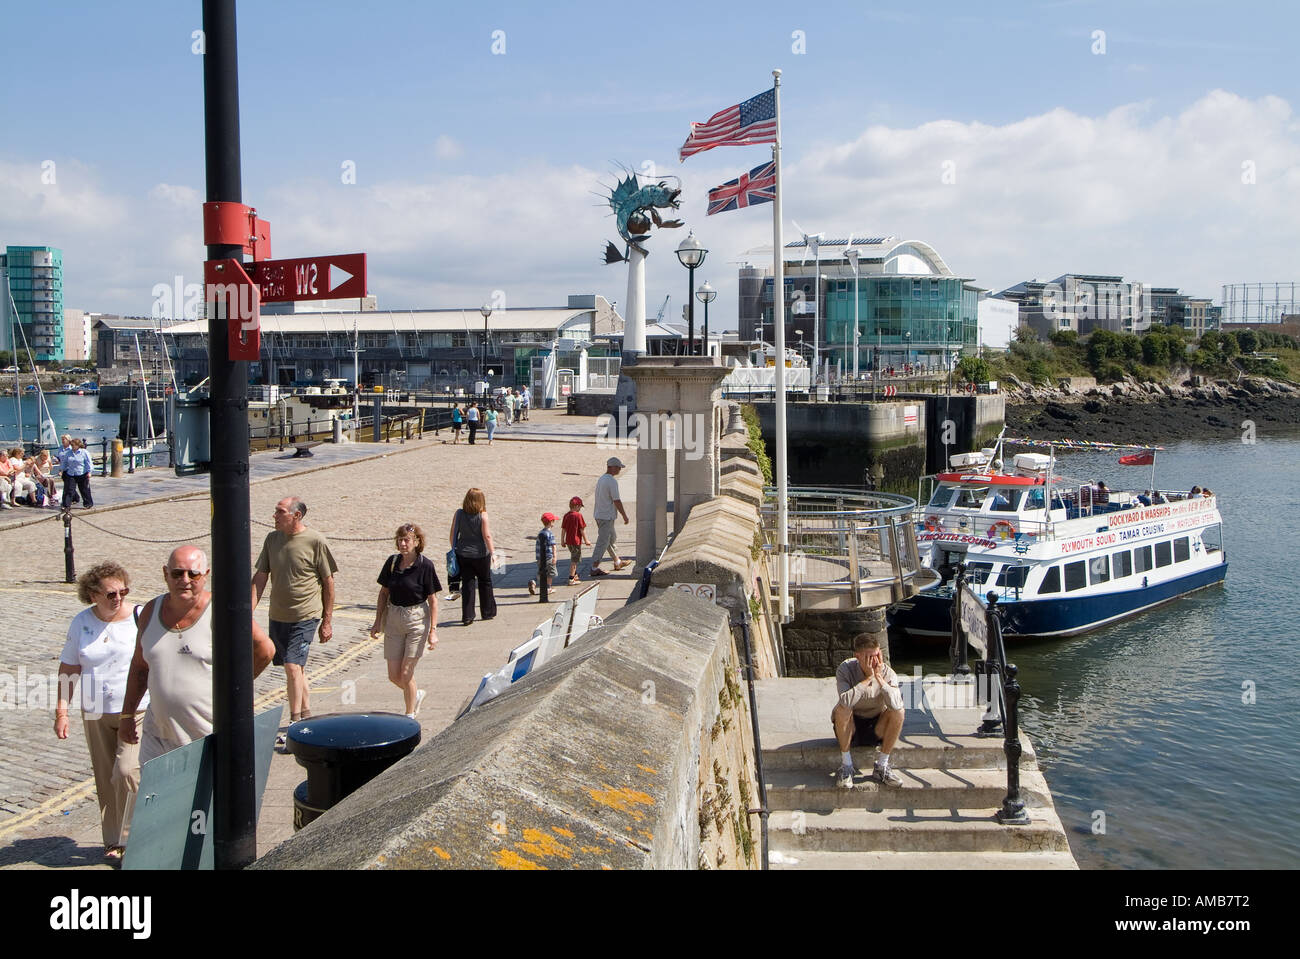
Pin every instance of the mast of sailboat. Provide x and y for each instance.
(144, 385)
(18, 386)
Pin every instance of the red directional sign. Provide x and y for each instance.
(311, 278)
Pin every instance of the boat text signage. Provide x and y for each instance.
(1146, 514)
(964, 538)
(342, 276)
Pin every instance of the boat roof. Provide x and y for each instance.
(990, 479)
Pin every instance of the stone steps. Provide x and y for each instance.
(804, 859)
(943, 816)
(923, 788)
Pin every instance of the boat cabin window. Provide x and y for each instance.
(1142, 559)
(1076, 575)
(1164, 554)
(1034, 498)
(1051, 580)
(1212, 537)
(970, 498)
(1004, 500)
(978, 572)
(942, 497)
(1099, 569)
(1182, 552)
(1122, 564)
(1013, 576)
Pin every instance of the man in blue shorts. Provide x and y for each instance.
(301, 569)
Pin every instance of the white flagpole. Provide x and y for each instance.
(778, 332)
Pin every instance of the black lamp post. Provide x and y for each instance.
(482, 366)
(706, 295)
(691, 255)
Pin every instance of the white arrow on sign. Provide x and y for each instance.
(338, 276)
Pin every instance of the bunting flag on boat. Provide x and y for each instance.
(1138, 459)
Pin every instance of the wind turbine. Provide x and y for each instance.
(813, 241)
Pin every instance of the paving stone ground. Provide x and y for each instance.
(356, 494)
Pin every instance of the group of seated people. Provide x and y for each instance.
(27, 480)
(1155, 498)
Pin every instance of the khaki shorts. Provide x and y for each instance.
(404, 630)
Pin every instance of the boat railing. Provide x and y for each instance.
(848, 548)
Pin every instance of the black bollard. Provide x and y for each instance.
(1012, 812)
(103, 457)
(69, 559)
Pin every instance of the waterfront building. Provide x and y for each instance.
(77, 334)
(126, 345)
(33, 277)
(1081, 302)
(416, 349)
(911, 308)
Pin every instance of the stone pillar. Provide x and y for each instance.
(651, 488)
(686, 389)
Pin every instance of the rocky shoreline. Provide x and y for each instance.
(1129, 412)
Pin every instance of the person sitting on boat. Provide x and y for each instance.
(869, 711)
(1101, 495)
(1158, 498)
(1000, 502)
(1144, 497)
(1196, 491)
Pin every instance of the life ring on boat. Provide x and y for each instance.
(1002, 524)
(933, 524)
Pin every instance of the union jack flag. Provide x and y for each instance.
(753, 121)
(756, 186)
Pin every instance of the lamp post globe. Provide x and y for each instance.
(691, 254)
(706, 295)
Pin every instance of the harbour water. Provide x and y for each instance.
(77, 415)
(1169, 740)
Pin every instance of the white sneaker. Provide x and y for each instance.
(844, 778)
(886, 777)
(532, 587)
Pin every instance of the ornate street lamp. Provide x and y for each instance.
(706, 295)
(691, 255)
(482, 365)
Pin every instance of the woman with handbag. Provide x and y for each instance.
(471, 542)
(407, 611)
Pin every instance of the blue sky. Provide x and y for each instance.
(475, 171)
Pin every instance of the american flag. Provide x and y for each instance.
(756, 186)
(753, 121)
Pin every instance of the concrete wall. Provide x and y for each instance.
(816, 642)
(632, 749)
(840, 443)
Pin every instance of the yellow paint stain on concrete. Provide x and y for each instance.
(442, 853)
(507, 859)
(589, 849)
(624, 800)
(538, 843)
(648, 835)
(648, 769)
(561, 831)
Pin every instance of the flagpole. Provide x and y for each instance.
(778, 331)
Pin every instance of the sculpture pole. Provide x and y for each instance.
(634, 310)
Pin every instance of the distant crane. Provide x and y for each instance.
(659, 317)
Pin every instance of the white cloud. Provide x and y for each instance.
(1157, 198)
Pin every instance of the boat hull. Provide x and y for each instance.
(928, 617)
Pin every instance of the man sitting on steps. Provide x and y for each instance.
(869, 711)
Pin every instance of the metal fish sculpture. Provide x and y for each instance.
(636, 207)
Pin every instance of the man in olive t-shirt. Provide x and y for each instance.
(301, 569)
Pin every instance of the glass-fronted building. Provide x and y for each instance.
(34, 276)
(911, 309)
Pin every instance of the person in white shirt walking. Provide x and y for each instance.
(608, 505)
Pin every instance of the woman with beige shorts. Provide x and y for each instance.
(407, 611)
(98, 651)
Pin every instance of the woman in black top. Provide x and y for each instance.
(472, 540)
(407, 611)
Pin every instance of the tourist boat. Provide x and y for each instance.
(1062, 557)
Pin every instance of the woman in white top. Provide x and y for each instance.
(101, 641)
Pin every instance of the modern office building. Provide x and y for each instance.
(911, 308)
(77, 326)
(1081, 302)
(32, 281)
(419, 349)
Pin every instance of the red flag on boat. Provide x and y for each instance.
(1145, 458)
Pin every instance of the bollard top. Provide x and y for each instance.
(352, 736)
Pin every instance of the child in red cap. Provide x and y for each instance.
(575, 537)
(545, 554)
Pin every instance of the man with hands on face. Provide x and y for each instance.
(869, 710)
